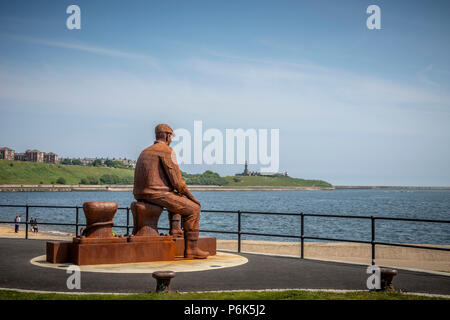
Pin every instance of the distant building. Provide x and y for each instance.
(50, 157)
(87, 161)
(7, 153)
(20, 157)
(128, 162)
(29, 155)
(34, 155)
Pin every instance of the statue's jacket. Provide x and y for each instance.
(157, 171)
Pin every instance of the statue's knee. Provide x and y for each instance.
(197, 210)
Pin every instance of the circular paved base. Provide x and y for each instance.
(219, 261)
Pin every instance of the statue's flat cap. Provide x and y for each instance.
(162, 127)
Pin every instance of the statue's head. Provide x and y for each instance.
(164, 132)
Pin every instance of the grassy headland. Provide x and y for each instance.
(33, 173)
(274, 181)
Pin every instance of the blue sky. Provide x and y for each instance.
(354, 106)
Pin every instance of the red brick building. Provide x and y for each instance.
(20, 157)
(34, 155)
(50, 157)
(6, 153)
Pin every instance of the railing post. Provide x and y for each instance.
(372, 219)
(128, 221)
(76, 221)
(239, 231)
(26, 221)
(302, 255)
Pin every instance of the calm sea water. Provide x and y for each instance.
(422, 204)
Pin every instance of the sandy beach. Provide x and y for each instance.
(7, 231)
(388, 256)
(409, 258)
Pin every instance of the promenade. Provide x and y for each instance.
(397, 257)
(259, 272)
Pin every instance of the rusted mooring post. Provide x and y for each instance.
(163, 280)
(387, 275)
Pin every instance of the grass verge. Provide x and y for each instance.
(245, 295)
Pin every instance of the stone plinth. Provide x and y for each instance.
(91, 251)
(59, 251)
(123, 252)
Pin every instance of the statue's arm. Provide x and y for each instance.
(173, 173)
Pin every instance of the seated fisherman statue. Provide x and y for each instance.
(157, 180)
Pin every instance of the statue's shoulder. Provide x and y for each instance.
(160, 148)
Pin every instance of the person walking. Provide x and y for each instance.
(35, 226)
(17, 224)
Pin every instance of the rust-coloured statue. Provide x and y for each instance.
(157, 180)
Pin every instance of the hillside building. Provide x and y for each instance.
(51, 157)
(34, 155)
(7, 153)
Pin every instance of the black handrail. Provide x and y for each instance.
(239, 231)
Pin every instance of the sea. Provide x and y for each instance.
(401, 203)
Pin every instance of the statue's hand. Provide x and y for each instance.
(197, 202)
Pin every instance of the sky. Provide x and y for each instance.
(353, 106)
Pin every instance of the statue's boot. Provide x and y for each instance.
(175, 228)
(191, 249)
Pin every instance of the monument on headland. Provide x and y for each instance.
(157, 185)
(246, 172)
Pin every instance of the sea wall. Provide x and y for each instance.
(66, 188)
(116, 187)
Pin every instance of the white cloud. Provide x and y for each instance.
(88, 48)
(233, 91)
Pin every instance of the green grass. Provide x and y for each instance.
(276, 181)
(249, 295)
(22, 172)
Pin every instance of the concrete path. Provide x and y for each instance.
(260, 272)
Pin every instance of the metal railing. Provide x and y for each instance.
(239, 231)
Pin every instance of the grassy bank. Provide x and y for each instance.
(276, 181)
(247, 295)
(18, 172)
(33, 173)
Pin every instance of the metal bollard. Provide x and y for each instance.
(163, 280)
(387, 275)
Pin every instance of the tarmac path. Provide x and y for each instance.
(260, 272)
